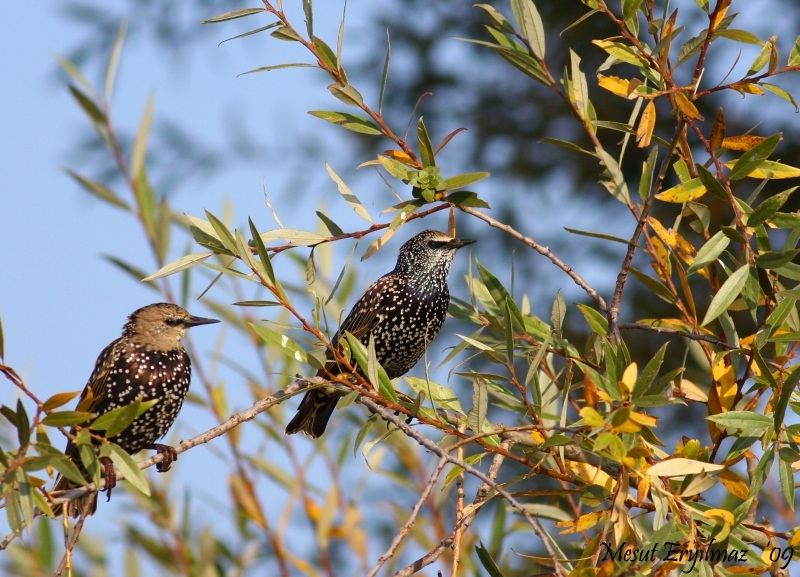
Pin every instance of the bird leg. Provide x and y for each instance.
(109, 476)
(170, 456)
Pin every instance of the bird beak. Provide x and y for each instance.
(195, 321)
(457, 243)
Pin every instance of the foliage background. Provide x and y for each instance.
(201, 157)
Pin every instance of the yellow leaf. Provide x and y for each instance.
(647, 124)
(725, 383)
(742, 143)
(718, 130)
(661, 263)
(591, 475)
(537, 436)
(401, 156)
(684, 192)
(719, 13)
(614, 84)
(622, 423)
(582, 523)
(643, 419)
(592, 417)
(687, 107)
(795, 540)
(692, 392)
(719, 515)
(628, 381)
(734, 484)
(771, 169)
(672, 238)
(747, 88)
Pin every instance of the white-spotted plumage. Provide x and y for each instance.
(403, 311)
(148, 362)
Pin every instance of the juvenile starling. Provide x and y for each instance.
(402, 310)
(147, 362)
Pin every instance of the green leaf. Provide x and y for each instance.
(117, 420)
(466, 198)
(280, 341)
(772, 260)
(234, 14)
(67, 418)
(326, 55)
(349, 121)
(437, 393)
(595, 319)
(709, 252)
(754, 157)
(466, 179)
(347, 94)
(127, 466)
(488, 563)
(794, 54)
(425, 146)
(780, 92)
(363, 357)
(61, 399)
(277, 67)
(530, 24)
(768, 208)
(294, 236)
(287, 34)
(748, 422)
(94, 113)
(263, 255)
(728, 292)
(222, 233)
(99, 190)
(182, 263)
(480, 405)
(348, 195)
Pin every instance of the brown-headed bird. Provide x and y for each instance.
(148, 362)
(403, 311)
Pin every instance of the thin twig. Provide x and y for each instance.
(401, 534)
(436, 449)
(543, 250)
(463, 524)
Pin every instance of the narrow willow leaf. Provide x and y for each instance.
(530, 24)
(385, 73)
(347, 94)
(142, 135)
(466, 179)
(96, 115)
(182, 263)
(362, 357)
(281, 340)
(349, 121)
(595, 319)
(728, 292)
(61, 399)
(768, 208)
(234, 14)
(425, 146)
(709, 252)
(745, 421)
(117, 420)
(480, 405)
(684, 192)
(67, 418)
(294, 236)
(99, 190)
(754, 157)
(263, 255)
(127, 466)
(277, 67)
(348, 195)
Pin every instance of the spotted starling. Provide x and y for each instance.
(147, 362)
(402, 310)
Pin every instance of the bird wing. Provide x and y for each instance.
(94, 394)
(363, 317)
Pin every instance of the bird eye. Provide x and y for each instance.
(436, 243)
(172, 321)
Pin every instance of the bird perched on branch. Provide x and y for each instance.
(402, 310)
(148, 362)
